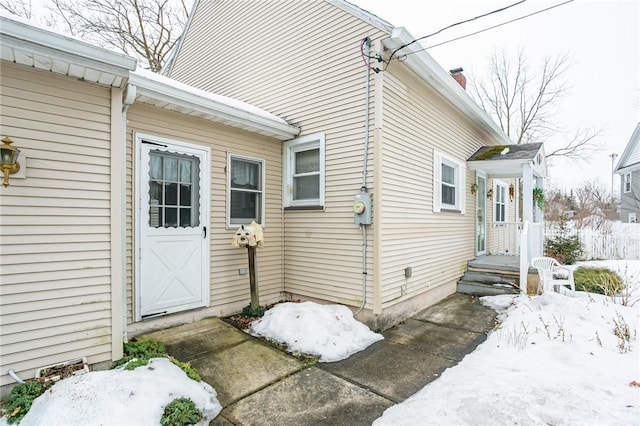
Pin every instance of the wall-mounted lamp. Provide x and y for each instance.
(512, 192)
(8, 159)
(474, 188)
(490, 194)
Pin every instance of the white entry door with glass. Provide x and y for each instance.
(172, 220)
(481, 214)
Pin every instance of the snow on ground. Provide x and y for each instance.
(329, 331)
(120, 397)
(554, 360)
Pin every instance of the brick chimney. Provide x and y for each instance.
(459, 77)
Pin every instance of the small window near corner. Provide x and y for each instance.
(448, 183)
(626, 182)
(303, 175)
(245, 190)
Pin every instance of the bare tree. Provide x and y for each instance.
(146, 29)
(524, 102)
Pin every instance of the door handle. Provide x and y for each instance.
(204, 228)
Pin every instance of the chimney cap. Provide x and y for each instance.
(456, 70)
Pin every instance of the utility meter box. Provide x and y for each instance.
(362, 209)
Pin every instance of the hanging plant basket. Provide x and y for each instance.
(538, 197)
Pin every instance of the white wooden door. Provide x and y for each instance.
(173, 219)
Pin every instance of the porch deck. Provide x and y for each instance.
(496, 263)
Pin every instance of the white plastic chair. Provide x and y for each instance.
(552, 274)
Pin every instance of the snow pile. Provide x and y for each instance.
(120, 397)
(329, 331)
(555, 359)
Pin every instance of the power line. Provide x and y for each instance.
(489, 28)
(388, 61)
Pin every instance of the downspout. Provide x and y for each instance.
(127, 100)
(365, 155)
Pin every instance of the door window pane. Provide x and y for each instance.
(165, 193)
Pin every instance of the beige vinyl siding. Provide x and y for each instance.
(229, 290)
(435, 245)
(301, 61)
(55, 287)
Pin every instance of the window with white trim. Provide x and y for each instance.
(626, 182)
(448, 183)
(303, 165)
(500, 202)
(245, 190)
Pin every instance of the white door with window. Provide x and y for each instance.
(481, 214)
(172, 219)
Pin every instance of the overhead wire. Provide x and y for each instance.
(388, 61)
(489, 28)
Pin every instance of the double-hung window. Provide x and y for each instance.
(500, 202)
(448, 183)
(303, 164)
(626, 182)
(245, 190)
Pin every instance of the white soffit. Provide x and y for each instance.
(23, 42)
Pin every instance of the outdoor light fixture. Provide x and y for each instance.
(8, 159)
(512, 192)
(490, 193)
(474, 188)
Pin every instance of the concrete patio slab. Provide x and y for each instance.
(460, 311)
(247, 367)
(309, 397)
(434, 339)
(393, 370)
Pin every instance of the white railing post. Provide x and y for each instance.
(524, 257)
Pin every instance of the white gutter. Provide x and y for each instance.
(420, 62)
(191, 101)
(25, 36)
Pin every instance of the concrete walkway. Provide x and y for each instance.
(260, 385)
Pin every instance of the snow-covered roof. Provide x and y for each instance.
(164, 92)
(26, 43)
(630, 158)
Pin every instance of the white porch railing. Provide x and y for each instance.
(504, 238)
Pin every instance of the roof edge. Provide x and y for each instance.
(633, 140)
(28, 33)
(429, 70)
(230, 111)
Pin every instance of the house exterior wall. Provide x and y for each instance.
(301, 61)
(435, 245)
(56, 256)
(630, 201)
(229, 291)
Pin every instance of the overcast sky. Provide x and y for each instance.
(601, 37)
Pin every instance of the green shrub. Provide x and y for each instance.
(141, 351)
(565, 250)
(20, 398)
(597, 280)
(188, 369)
(248, 311)
(181, 412)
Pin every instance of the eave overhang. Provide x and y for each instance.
(169, 94)
(23, 43)
(507, 161)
